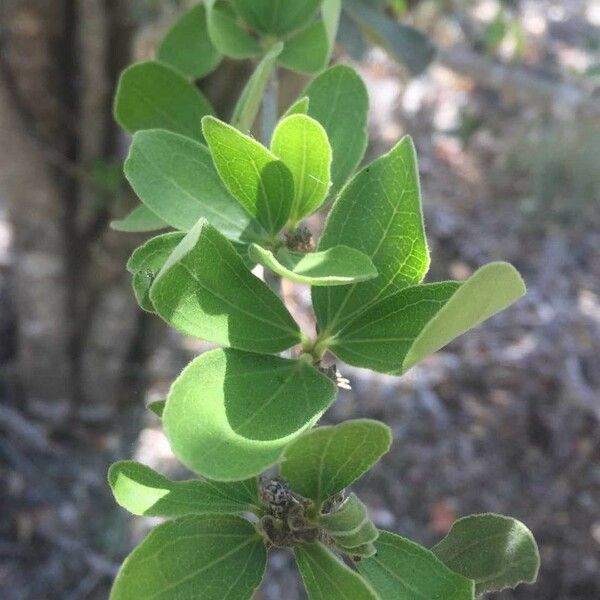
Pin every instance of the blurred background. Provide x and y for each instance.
(507, 125)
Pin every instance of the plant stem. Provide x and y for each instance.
(270, 108)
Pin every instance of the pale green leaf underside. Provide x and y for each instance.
(276, 17)
(308, 50)
(302, 144)
(337, 266)
(187, 47)
(400, 331)
(350, 526)
(339, 101)
(176, 179)
(326, 577)
(403, 570)
(378, 213)
(226, 33)
(200, 556)
(143, 491)
(146, 262)
(139, 220)
(324, 461)
(496, 551)
(250, 100)
(261, 182)
(205, 290)
(230, 414)
(152, 95)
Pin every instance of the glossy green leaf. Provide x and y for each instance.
(205, 290)
(250, 100)
(394, 334)
(142, 491)
(337, 266)
(147, 261)
(254, 176)
(279, 17)
(152, 95)
(157, 407)
(230, 414)
(212, 557)
(308, 50)
(226, 33)
(495, 551)
(300, 107)
(324, 461)
(139, 220)
(403, 570)
(378, 213)
(187, 47)
(302, 144)
(403, 43)
(350, 526)
(176, 178)
(339, 101)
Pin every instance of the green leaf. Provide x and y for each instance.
(378, 213)
(227, 34)
(157, 407)
(339, 101)
(205, 290)
(254, 176)
(175, 177)
(308, 50)
(140, 219)
(359, 552)
(199, 556)
(142, 491)
(145, 263)
(250, 100)
(279, 17)
(324, 461)
(331, 11)
(337, 266)
(230, 414)
(495, 551)
(403, 43)
(187, 46)
(396, 333)
(300, 107)
(350, 526)
(403, 570)
(302, 144)
(326, 577)
(151, 95)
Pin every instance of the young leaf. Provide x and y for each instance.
(143, 491)
(256, 178)
(151, 95)
(187, 46)
(337, 266)
(404, 43)
(302, 144)
(349, 525)
(250, 100)
(147, 261)
(140, 219)
(324, 461)
(230, 414)
(326, 577)
(403, 570)
(226, 33)
(339, 101)
(300, 107)
(199, 556)
(205, 290)
(157, 407)
(175, 177)
(394, 334)
(278, 17)
(495, 551)
(308, 50)
(378, 213)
